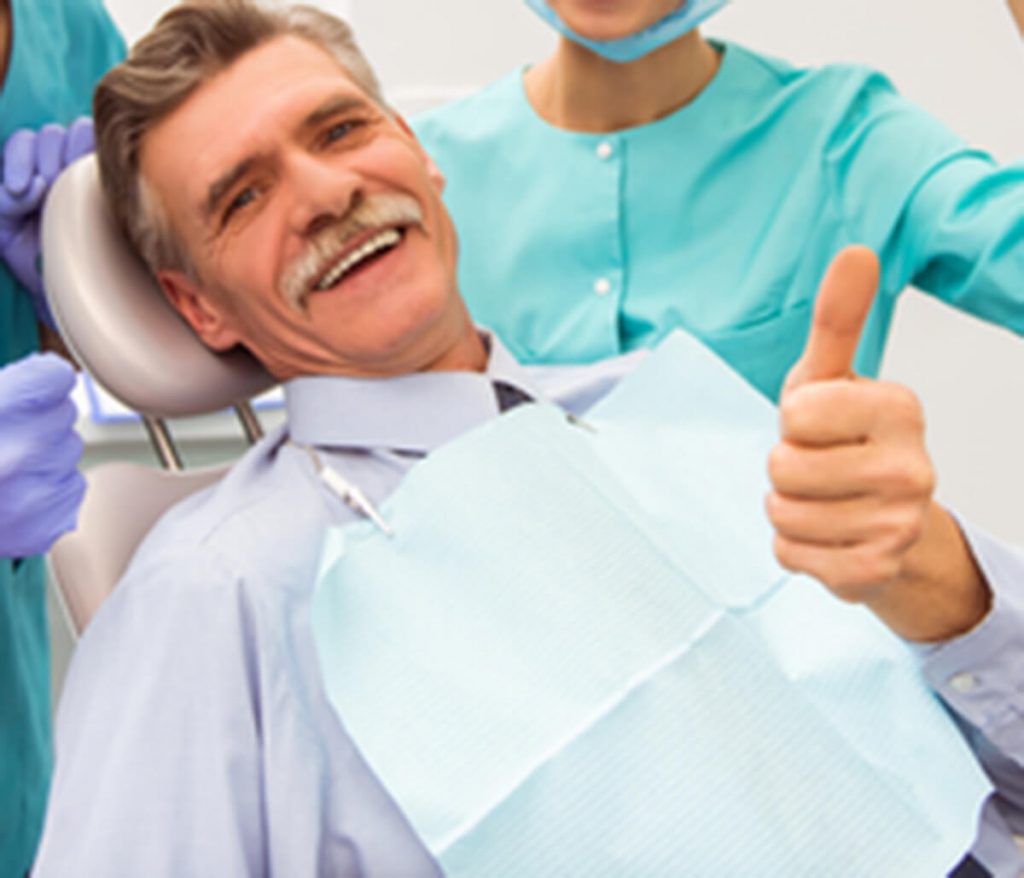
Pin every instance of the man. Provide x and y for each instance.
(250, 159)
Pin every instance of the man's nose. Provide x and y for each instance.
(322, 192)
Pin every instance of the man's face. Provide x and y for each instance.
(612, 19)
(312, 218)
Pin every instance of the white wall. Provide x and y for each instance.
(963, 61)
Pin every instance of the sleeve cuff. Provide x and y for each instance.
(980, 674)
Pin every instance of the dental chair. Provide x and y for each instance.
(120, 328)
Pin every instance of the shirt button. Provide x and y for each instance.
(604, 150)
(602, 286)
(963, 683)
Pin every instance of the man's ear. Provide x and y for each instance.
(433, 171)
(198, 310)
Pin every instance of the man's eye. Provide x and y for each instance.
(341, 129)
(241, 200)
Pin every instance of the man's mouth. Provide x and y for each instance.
(367, 251)
(374, 227)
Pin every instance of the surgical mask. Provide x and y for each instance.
(625, 49)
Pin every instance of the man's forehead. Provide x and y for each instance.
(284, 76)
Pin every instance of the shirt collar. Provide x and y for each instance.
(416, 412)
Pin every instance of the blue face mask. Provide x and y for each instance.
(625, 49)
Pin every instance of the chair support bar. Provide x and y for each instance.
(163, 444)
(250, 423)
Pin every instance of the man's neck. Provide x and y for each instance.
(577, 90)
(468, 354)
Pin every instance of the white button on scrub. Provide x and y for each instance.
(604, 150)
(602, 286)
(963, 683)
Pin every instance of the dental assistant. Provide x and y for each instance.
(644, 178)
(53, 52)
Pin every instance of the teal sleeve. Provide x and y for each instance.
(98, 47)
(968, 219)
(942, 216)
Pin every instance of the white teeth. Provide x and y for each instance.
(380, 241)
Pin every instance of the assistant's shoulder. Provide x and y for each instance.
(828, 109)
(752, 70)
(818, 94)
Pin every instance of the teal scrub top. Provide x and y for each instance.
(59, 50)
(721, 217)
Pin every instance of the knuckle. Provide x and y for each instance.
(77, 446)
(904, 476)
(855, 578)
(916, 477)
(782, 513)
(779, 463)
(907, 528)
(903, 404)
(789, 406)
(786, 553)
(66, 415)
(795, 412)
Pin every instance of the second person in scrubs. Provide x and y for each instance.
(644, 178)
(53, 52)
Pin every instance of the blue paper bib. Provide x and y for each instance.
(577, 656)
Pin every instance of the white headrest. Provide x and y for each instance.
(116, 320)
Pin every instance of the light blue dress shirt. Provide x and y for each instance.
(194, 734)
(60, 48)
(721, 217)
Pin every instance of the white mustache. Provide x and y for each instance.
(322, 252)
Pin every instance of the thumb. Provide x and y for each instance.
(840, 312)
(1017, 10)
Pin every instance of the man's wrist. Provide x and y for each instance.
(942, 593)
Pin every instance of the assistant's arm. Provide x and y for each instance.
(942, 216)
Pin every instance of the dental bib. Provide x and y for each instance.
(577, 656)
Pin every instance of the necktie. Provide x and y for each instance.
(509, 396)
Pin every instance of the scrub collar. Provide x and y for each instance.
(410, 413)
(629, 48)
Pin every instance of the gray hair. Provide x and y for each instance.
(191, 43)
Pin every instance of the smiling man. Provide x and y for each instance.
(283, 207)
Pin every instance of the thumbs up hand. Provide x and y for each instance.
(852, 501)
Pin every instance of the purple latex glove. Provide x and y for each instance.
(32, 160)
(40, 486)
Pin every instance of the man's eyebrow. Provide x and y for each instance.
(224, 183)
(333, 106)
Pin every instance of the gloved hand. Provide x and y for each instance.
(31, 162)
(40, 486)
